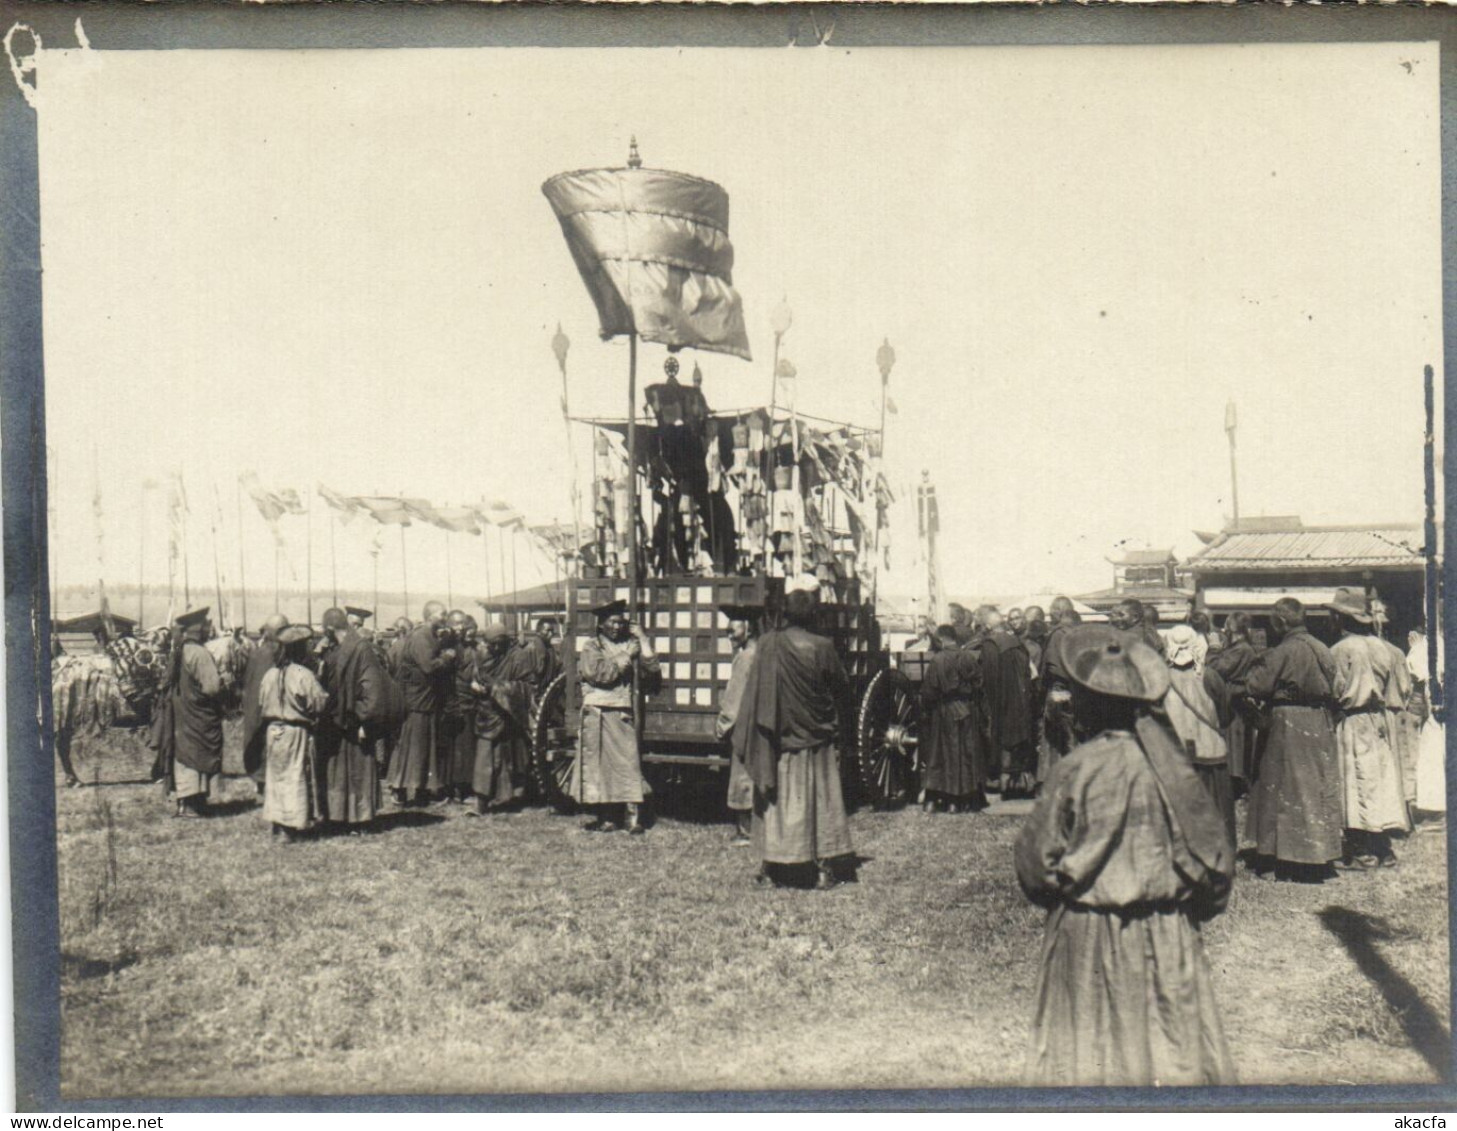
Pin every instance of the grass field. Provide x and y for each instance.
(514, 953)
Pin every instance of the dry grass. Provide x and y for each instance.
(514, 953)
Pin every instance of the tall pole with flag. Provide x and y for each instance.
(928, 522)
(223, 620)
(781, 318)
(1230, 426)
(885, 362)
(242, 574)
(560, 344)
(308, 561)
(147, 484)
(96, 511)
(186, 570)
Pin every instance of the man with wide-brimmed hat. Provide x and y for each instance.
(1373, 799)
(191, 721)
(1295, 816)
(743, 621)
(608, 770)
(1129, 856)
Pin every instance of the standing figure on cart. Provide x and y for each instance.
(608, 769)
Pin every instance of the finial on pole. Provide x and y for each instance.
(634, 159)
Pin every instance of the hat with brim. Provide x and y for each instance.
(611, 609)
(195, 617)
(1102, 659)
(295, 633)
(355, 611)
(1350, 603)
(742, 612)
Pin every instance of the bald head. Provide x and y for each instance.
(403, 626)
(434, 612)
(1059, 606)
(274, 625)
(335, 621)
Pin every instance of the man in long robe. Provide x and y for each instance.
(457, 714)
(1197, 706)
(261, 660)
(1232, 664)
(1055, 738)
(1006, 678)
(952, 755)
(1374, 801)
(786, 735)
(501, 690)
(346, 736)
(1295, 814)
(196, 717)
(1405, 723)
(740, 786)
(426, 667)
(292, 701)
(1127, 853)
(608, 769)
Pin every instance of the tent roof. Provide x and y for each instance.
(90, 622)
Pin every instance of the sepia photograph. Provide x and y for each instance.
(829, 562)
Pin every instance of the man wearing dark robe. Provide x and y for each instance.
(196, 717)
(500, 687)
(346, 739)
(261, 661)
(742, 620)
(426, 667)
(951, 741)
(457, 716)
(1295, 814)
(1006, 679)
(1232, 663)
(1055, 685)
(1127, 853)
(786, 735)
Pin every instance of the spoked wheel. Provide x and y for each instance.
(553, 748)
(887, 738)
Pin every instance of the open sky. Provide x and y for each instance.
(338, 266)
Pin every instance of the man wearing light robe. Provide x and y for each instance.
(261, 660)
(608, 769)
(292, 701)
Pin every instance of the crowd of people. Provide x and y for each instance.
(1323, 740)
(1135, 740)
(436, 712)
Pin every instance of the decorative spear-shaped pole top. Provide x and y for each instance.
(560, 343)
(634, 158)
(885, 359)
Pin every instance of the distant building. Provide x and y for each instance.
(1151, 576)
(1248, 567)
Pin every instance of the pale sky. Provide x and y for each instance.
(338, 266)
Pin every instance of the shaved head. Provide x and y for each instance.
(433, 611)
(274, 625)
(335, 620)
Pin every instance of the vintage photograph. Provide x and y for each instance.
(634, 569)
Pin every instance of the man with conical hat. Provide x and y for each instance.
(195, 717)
(1373, 797)
(1295, 814)
(1129, 856)
(608, 771)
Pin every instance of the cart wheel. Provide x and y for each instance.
(887, 751)
(553, 749)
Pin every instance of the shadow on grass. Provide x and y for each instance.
(407, 819)
(1359, 933)
(78, 966)
(232, 807)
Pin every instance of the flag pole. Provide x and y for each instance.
(515, 592)
(333, 558)
(309, 561)
(374, 553)
(51, 504)
(107, 623)
(449, 584)
(217, 569)
(404, 570)
(277, 587)
(486, 557)
(186, 570)
(141, 558)
(501, 560)
(242, 575)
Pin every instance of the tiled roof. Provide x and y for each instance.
(1313, 547)
(1146, 557)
